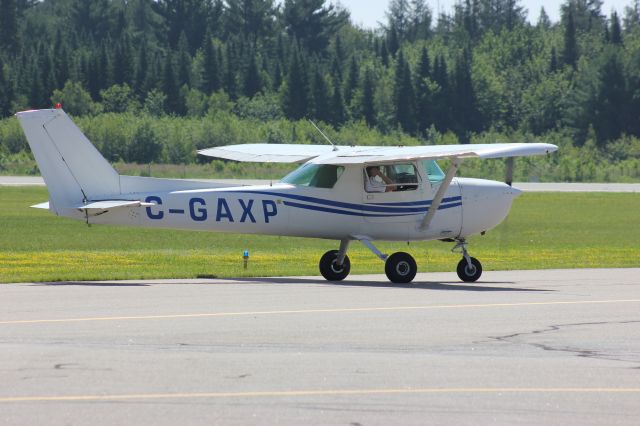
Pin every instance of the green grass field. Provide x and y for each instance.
(544, 230)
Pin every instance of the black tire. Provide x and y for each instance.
(400, 268)
(469, 275)
(330, 271)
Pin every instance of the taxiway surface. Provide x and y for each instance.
(519, 347)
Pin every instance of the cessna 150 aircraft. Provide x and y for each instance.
(346, 193)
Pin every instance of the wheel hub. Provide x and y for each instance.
(403, 268)
(335, 268)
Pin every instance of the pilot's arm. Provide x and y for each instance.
(390, 185)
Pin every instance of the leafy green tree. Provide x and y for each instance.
(174, 103)
(184, 62)
(123, 62)
(616, 31)
(404, 95)
(117, 98)
(142, 69)
(570, 52)
(92, 18)
(338, 110)
(231, 66)
(252, 78)
(423, 92)
(6, 91)
(612, 102)
(74, 99)
(296, 95)
(144, 147)
(154, 103)
(9, 26)
(351, 84)
(368, 98)
(544, 23)
(398, 22)
(464, 102)
(312, 23)
(586, 14)
(419, 21)
(631, 17)
(211, 68)
(553, 61)
(253, 19)
(321, 102)
(188, 16)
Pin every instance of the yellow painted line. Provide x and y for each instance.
(303, 393)
(316, 311)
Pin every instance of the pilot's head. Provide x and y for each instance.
(372, 171)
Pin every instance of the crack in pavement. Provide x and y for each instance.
(580, 352)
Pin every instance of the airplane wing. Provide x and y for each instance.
(325, 154)
(269, 153)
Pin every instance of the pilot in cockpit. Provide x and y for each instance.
(377, 181)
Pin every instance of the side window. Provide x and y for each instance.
(315, 175)
(391, 177)
(434, 172)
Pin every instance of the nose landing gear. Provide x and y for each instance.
(469, 268)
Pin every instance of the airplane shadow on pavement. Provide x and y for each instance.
(92, 284)
(424, 285)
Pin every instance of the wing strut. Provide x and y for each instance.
(435, 204)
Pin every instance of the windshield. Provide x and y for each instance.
(315, 175)
(434, 171)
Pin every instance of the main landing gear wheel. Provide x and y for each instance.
(330, 270)
(469, 274)
(400, 268)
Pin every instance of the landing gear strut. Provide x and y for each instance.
(469, 268)
(400, 267)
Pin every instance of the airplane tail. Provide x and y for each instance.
(72, 168)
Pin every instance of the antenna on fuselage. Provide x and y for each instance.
(335, 148)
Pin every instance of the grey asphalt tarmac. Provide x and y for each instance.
(519, 347)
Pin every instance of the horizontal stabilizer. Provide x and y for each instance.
(94, 207)
(44, 205)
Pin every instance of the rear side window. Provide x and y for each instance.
(315, 175)
(434, 171)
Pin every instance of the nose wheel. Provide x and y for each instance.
(469, 268)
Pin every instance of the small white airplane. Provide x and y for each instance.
(345, 193)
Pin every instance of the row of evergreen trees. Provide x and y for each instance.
(480, 67)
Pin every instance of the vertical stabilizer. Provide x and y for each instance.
(71, 166)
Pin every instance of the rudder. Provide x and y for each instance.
(72, 168)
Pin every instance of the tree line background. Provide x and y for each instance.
(152, 81)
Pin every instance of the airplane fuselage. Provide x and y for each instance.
(470, 206)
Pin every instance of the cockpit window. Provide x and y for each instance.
(434, 171)
(315, 175)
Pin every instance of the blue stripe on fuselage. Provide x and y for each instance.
(351, 213)
(374, 207)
